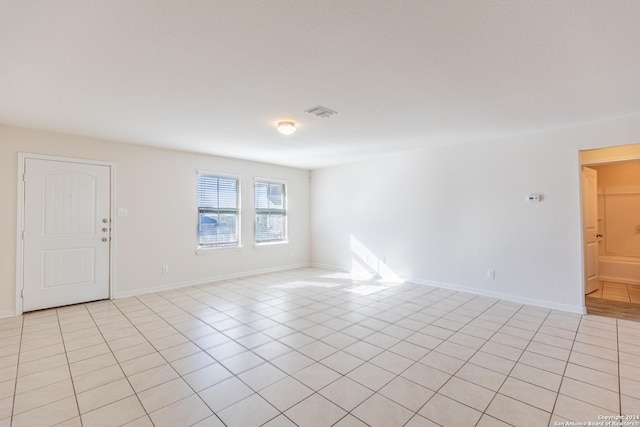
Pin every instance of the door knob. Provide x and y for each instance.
(599, 235)
(104, 239)
(105, 220)
(105, 229)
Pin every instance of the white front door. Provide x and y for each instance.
(590, 222)
(66, 233)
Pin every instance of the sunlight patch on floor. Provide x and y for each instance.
(306, 284)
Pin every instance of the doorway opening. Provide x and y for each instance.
(611, 230)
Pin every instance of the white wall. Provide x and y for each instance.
(441, 215)
(444, 215)
(159, 189)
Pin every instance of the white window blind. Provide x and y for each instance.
(218, 211)
(271, 211)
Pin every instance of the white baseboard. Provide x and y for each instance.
(580, 309)
(135, 292)
(7, 313)
(506, 297)
(330, 267)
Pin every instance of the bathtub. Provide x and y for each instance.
(621, 269)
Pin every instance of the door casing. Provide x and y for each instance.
(22, 157)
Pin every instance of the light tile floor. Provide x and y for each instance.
(617, 292)
(311, 347)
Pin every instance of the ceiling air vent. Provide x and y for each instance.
(321, 111)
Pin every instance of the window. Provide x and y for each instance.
(271, 211)
(218, 211)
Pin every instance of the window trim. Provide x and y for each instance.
(202, 249)
(285, 240)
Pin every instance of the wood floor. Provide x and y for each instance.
(619, 300)
(610, 308)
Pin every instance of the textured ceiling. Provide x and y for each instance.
(215, 76)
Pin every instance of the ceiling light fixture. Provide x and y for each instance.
(286, 127)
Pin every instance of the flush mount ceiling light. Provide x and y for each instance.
(286, 127)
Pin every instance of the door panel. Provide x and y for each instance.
(590, 222)
(67, 233)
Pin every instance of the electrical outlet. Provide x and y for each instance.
(165, 269)
(491, 273)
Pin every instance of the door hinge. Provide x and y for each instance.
(22, 234)
(22, 293)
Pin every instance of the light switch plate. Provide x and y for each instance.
(123, 212)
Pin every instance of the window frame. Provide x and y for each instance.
(284, 212)
(238, 212)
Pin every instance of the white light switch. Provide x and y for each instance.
(123, 212)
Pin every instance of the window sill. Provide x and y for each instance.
(270, 244)
(212, 250)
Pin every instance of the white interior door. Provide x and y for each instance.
(66, 233)
(590, 221)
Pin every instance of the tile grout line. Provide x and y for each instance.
(349, 412)
(508, 375)
(465, 362)
(470, 321)
(273, 339)
(106, 341)
(189, 340)
(562, 377)
(497, 392)
(15, 384)
(219, 361)
(254, 306)
(443, 341)
(338, 350)
(591, 368)
(414, 362)
(66, 356)
(296, 350)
